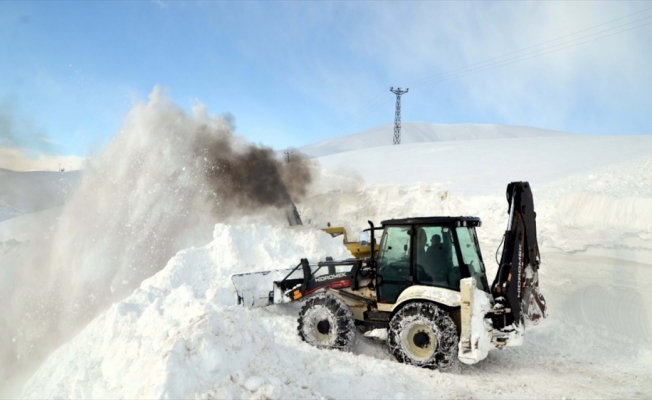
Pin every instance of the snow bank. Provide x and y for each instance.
(354, 205)
(610, 207)
(179, 334)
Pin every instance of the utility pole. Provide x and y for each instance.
(287, 153)
(397, 116)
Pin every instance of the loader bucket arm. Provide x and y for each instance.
(516, 285)
(265, 288)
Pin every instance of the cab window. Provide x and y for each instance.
(436, 262)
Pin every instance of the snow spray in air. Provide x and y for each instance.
(159, 187)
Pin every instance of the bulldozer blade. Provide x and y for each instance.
(256, 289)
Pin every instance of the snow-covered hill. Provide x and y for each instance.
(422, 132)
(28, 192)
(17, 160)
(483, 166)
(179, 334)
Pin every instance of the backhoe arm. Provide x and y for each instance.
(516, 285)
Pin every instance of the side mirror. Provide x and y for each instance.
(364, 238)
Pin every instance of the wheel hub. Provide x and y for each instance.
(321, 323)
(323, 327)
(420, 341)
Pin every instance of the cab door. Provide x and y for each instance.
(436, 259)
(393, 265)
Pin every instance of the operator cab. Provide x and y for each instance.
(428, 251)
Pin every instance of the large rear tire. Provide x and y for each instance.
(326, 322)
(424, 335)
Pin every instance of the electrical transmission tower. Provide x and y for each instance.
(397, 116)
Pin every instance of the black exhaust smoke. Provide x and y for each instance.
(249, 178)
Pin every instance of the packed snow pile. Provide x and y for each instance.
(422, 132)
(179, 335)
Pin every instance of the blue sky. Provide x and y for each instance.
(294, 73)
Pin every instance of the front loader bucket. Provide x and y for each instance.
(256, 289)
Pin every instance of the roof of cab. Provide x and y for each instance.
(445, 221)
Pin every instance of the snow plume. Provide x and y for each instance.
(159, 187)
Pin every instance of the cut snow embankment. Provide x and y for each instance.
(179, 334)
(608, 208)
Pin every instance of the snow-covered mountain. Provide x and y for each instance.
(28, 192)
(179, 334)
(17, 160)
(422, 132)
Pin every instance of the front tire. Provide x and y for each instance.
(424, 335)
(326, 322)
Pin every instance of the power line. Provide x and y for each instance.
(528, 55)
(541, 44)
(523, 58)
(364, 111)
